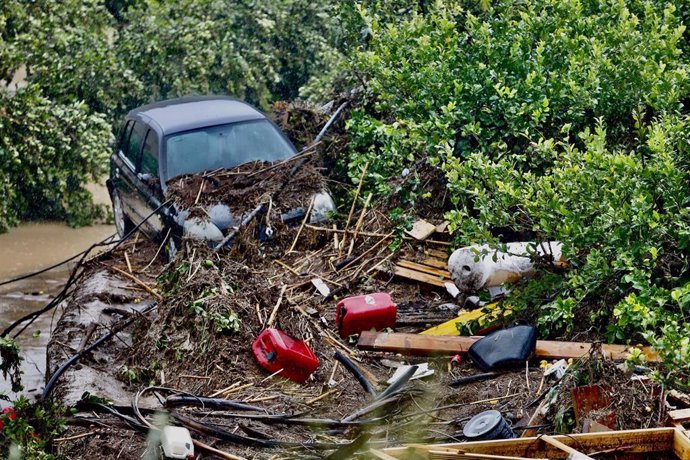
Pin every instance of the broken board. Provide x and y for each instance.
(421, 230)
(432, 269)
(630, 444)
(424, 345)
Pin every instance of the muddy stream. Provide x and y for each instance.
(29, 248)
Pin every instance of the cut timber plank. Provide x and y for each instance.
(451, 328)
(421, 230)
(424, 269)
(419, 276)
(423, 345)
(680, 415)
(437, 253)
(649, 441)
(436, 263)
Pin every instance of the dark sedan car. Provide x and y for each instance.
(168, 139)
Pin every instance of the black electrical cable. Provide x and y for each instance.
(56, 375)
(73, 277)
(43, 270)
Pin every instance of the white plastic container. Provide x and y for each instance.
(177, 442)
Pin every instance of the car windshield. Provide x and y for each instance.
(225, 146)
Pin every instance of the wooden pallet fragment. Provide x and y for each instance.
(648, 443)
(432, 269)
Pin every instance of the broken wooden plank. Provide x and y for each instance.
(437, 253)
(421, 230)
(424, 345)
(417, 276)
(646, 441)
(424, 269)
(434, 262)
(680, 415)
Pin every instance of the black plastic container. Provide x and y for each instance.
(487, 426)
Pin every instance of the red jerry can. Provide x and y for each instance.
(275, 350)
(361, 313)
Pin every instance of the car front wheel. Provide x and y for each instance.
(122, 223)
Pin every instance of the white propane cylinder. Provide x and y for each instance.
(476, 267)
(176, 442)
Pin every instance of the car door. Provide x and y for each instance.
(149, 194)
(125, 163)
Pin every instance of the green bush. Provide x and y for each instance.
(498, 81)
(551, 120)
(47, 152)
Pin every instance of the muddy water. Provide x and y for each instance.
(26, 249)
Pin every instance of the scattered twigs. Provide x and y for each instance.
(306, 151)
(129, 265)
(136, 280)
(352, 208)
(322, 396)
(368, 251)
(201, 189)
(158, 251)
(274, 313)
(301, 227)
(374, 234)
(75, 437)
(358, 226)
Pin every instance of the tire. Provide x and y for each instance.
(123, 224)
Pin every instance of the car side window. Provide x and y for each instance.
(136, 137)
(149, 155)
(124, 137)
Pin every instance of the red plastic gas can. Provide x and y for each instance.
(361, 313)
(275, 350)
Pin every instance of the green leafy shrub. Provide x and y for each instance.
(551, 120)
(451, 80)
(47, 152)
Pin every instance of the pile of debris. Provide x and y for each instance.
(286, 348)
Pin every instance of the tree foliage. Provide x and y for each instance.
(89, 62)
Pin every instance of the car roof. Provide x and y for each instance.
(186, 113)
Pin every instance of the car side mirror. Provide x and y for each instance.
(145, 178)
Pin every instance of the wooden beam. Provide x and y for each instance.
(424, 345)
(655, 440)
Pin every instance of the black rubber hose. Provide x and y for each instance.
(208, 403)
(354, 370)
(56, 375)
